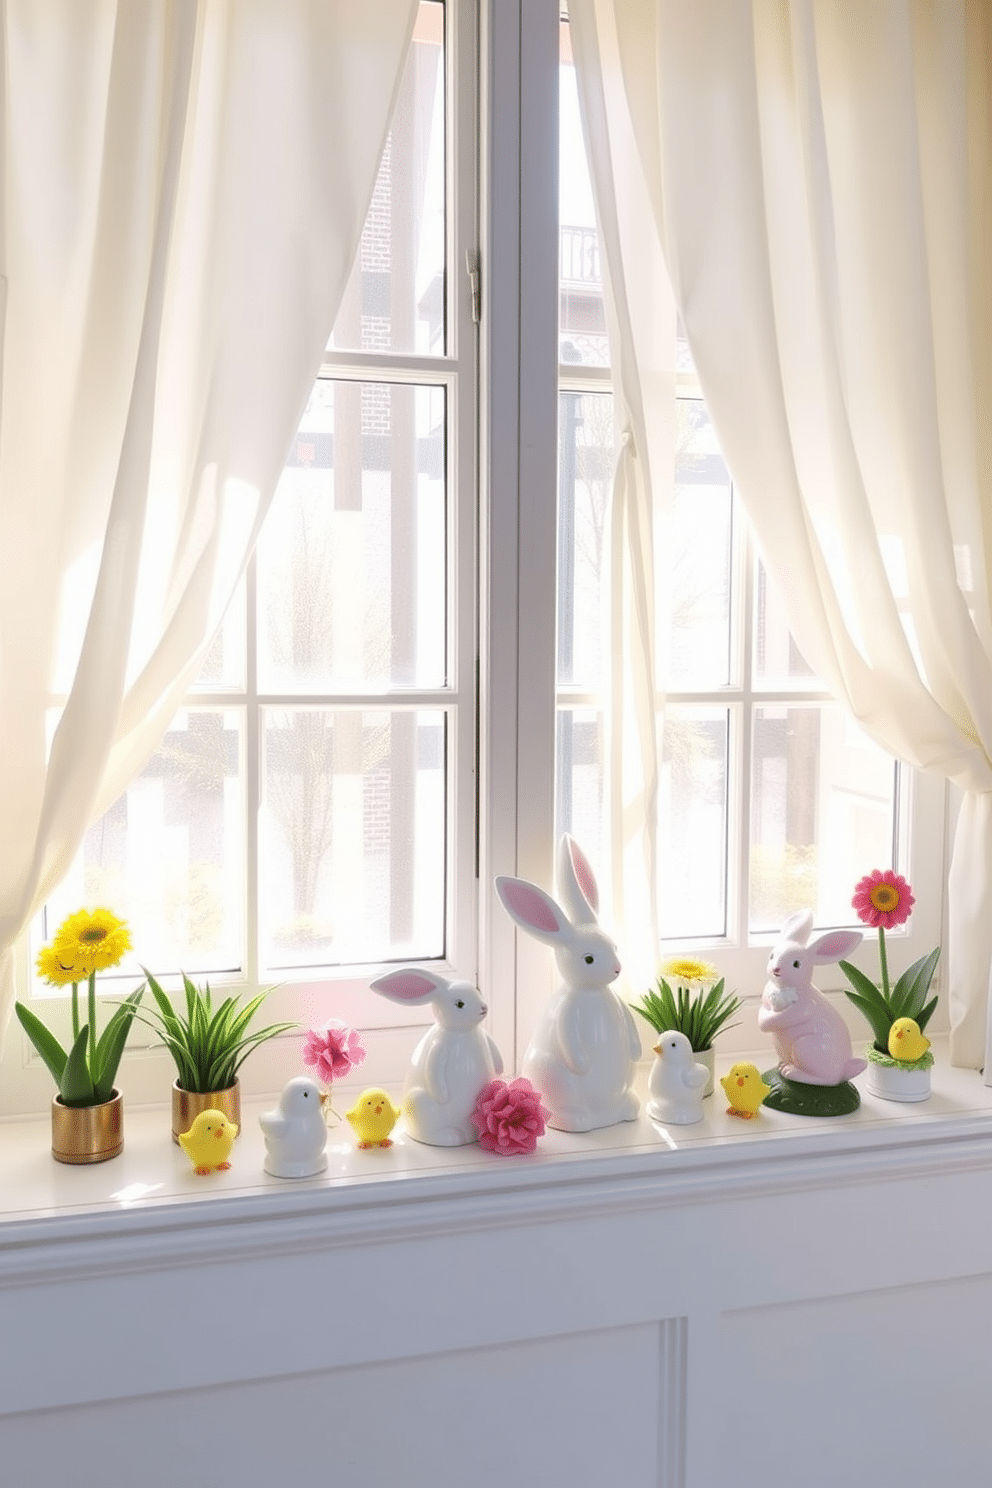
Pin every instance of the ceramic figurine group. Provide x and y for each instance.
(583, 1057)
(579, 1069)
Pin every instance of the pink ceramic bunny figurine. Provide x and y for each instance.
(814, 1046)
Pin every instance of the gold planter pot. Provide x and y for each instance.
(88, 1134)
(187, 1105)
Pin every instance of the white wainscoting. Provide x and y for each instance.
(651, 1309)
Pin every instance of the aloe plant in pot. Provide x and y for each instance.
(208, 1042)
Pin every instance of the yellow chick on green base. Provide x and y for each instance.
(209, 1140)
(373, 1116)
(745, 1090)
(906, 1042)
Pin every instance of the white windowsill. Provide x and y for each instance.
(147, 1206)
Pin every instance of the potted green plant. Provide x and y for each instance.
(209, 1044)
(87, 1111)
(899, 1059)
(699, 1007)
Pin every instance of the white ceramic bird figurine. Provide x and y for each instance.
(296, 1133)
(676, 1082)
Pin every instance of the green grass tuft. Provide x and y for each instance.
(700, 1015)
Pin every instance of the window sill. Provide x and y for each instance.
(147, 1207)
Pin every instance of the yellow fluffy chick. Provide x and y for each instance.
(209, 1140)
(373, 1116)
(906, 1042)
(745, 1090)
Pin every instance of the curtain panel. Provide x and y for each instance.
(183, 189)
(819, 180)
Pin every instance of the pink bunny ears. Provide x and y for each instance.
(537, 911)
(408, 986)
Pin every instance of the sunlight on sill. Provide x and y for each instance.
(152, 1175)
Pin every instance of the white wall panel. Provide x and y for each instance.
(884, 1387)
(556, 1412)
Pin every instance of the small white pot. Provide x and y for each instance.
(896, 1083)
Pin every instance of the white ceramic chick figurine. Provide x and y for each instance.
(676, 1082)
(296, 1133)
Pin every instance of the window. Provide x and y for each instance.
(311, 811)
(772, 798)
(402, 701)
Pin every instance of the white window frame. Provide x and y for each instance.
(519, 461)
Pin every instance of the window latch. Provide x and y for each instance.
(475, 282)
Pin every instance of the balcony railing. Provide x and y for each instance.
(579, 256)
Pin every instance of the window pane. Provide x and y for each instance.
(777, 659)
(168, 856)
(585, 466)
(692, 838)
(582, 318)
(223, 666)
(394, 300)
(683, 356)
(353, 836)
(700, 571)
(579, 778)
(351, 561)
(822, 813)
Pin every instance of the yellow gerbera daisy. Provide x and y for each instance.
(687, 969)
(54, 970)
(92, 940)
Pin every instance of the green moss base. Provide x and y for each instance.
(809, 1100)
(876, 1056)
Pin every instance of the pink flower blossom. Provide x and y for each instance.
(883, 899)
(334, 1050)
(509, 1118)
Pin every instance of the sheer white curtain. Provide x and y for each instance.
(641, 319)
(819, 177)
(183, 190)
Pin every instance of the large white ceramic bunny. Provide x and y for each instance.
(451, 1063)
(583, 1055)
(811, 1037)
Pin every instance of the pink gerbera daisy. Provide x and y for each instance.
(883, 899)
(334, 1050)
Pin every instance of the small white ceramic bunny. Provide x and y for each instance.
(451, 1063)
(811, 1037)
(583, 1055)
